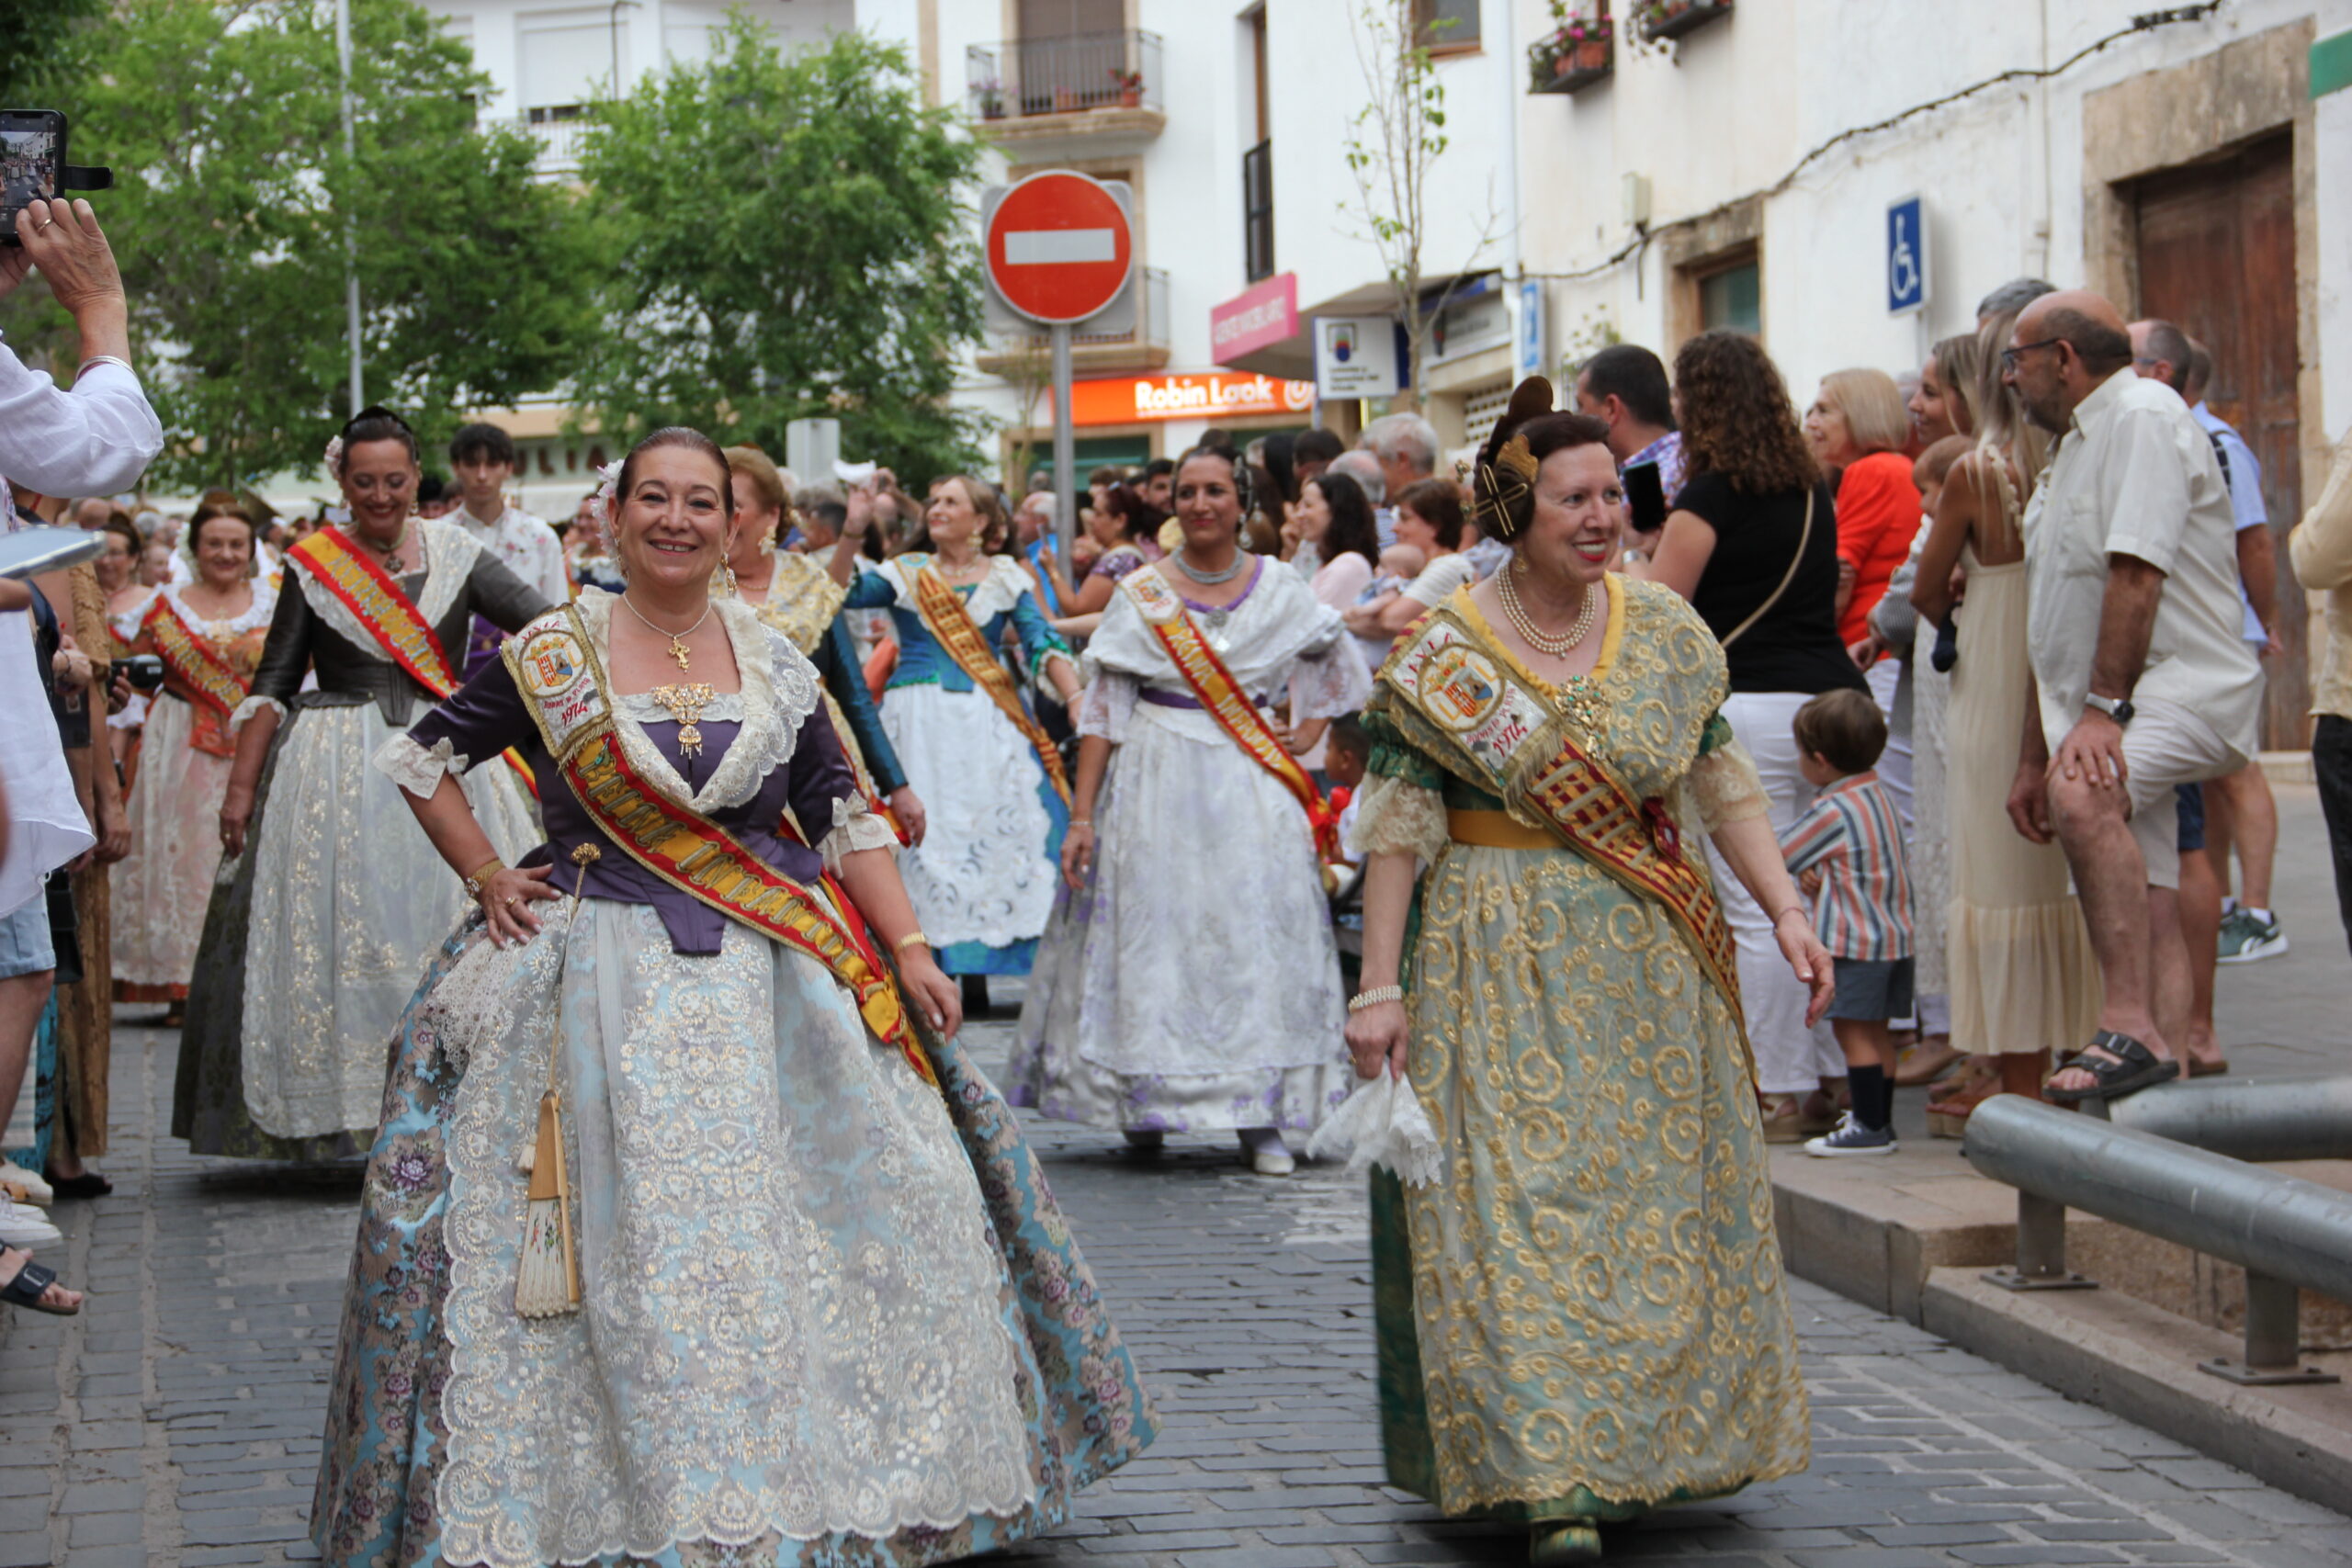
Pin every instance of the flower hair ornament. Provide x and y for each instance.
(608, 484)
(1507, 468)
(335, 455)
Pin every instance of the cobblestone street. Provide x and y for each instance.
(176, 1421)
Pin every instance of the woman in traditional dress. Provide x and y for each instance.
(1117, 1029)
(1582, 1316)
(983, 879)
(126, 600)
(2023, 975)
(209, 633)
(314, 941)
(797, 1295)
(796, 597)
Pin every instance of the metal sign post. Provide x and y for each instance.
(1065, 454)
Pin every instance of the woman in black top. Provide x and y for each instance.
(1740, 546)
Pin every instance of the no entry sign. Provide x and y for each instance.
(1059, 247)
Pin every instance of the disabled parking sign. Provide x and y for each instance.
(1906, 256)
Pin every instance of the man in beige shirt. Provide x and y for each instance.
(2321, 548)
(2142, 679)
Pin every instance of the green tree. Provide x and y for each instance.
(224, 124)
(38, 38)
(794, 242)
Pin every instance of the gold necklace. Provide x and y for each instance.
(686, 704)
(677, 649)
(1558, 646)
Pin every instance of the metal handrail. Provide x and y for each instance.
(2286, 1233)
(2248, 1118)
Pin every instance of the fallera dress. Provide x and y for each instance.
(831, 1314)
(983, 879)
(315, 935)
(803, 603)
(1194, 984)
(1584, 1317)
(163, 885)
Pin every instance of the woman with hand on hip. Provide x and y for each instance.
(1190, 981)
(311, 944)
(779, 1285)
(1581, 1312)
(983, 879)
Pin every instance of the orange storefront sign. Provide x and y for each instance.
(1222, 394)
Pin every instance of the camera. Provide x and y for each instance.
(143, 671)
(33, 166)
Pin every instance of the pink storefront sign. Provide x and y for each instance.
(1255, 319)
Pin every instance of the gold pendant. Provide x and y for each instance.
(689, 740)
(678, 651)
(686, 705)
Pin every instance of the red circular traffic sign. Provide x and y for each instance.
(1059, 248)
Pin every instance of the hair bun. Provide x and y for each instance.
(1506, 478)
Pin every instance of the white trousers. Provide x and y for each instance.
(1790, 1058)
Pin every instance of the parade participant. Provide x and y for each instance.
(803, 1298)
(483, 457)
(311, 950)
(1583, 1317)
(983, 883)
(794, 595)
(1193, 850)
(126, 600)
(210, 635)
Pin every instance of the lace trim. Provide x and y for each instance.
(1394, 817)
(856, 826)
(255, 615)
(646, 708)
(1723, 786)
(1000, 591)
(1105, 705)
(449, 555)
(1330, 681)
(416, 769)
(778, 695)
(253, 705)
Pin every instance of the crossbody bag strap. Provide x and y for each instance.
(1786, 578)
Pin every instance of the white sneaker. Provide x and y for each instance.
(35, 1189)
(21, 1225)
(1268, 1155)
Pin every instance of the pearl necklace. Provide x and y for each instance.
(1211, 578)
(1557, 647)
(677, 649)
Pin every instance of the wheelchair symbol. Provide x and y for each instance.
(1902, 280)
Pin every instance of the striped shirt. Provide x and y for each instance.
(1852, 835)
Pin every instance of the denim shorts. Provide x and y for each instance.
(1872, 990)
(25, 945)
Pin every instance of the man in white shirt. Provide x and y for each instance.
(2142, 679)
(483, 457)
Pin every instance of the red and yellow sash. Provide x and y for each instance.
(944, 616)
(563, 685)
(193, 673)
(1221, 695)
(387, 615)
(1491, 728)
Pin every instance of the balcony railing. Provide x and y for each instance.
(559, 130)
(1068, 74)
(1258, 211)
(1147, 338)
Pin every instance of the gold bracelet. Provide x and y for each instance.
(908, 941)
(480, 878)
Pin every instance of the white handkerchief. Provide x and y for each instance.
(1382, 1124)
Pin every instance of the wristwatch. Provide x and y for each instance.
(2120, 709)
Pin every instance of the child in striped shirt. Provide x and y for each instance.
(1847, 851)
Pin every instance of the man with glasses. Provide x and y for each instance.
(2142, 679)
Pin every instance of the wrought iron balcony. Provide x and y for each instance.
(559, 130)
(1027, 79)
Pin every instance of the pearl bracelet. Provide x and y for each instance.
(1372, 998)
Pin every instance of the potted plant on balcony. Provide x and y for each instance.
(989, 96)
(1130, 85)
(1664, 19)
(1576, 52)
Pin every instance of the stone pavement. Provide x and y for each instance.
(176, 1421)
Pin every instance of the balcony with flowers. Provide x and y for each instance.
(1579, 51)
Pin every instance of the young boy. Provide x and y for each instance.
(1846, 850)
(483, 458)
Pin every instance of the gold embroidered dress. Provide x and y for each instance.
(1585, 1316)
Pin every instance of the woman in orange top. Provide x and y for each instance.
(1858, 423)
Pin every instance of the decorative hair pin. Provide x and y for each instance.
(334, 454)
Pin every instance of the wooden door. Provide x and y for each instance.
(2217, 258)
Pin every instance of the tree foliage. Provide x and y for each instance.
(38, 38)
(794, 241)
(233, 198)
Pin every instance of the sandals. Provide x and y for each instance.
(1948, 1110)
(1781, 1116)
(1925, 1063)
(2131, 1068)
(32, 1283)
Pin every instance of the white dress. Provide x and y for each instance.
(1195, 984)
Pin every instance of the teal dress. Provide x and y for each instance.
(1585, 1316)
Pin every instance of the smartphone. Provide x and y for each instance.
(32, 162)
(1644, 498)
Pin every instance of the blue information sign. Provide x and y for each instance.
(1906, 256)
